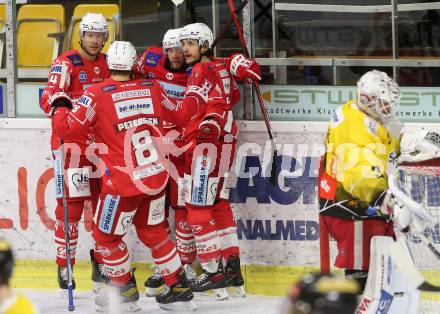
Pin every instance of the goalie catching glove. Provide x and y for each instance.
(419, 146)
(401, 215)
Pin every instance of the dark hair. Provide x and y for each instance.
(119, 72)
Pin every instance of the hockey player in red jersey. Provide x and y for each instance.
(126, 116)
(70, 73)
(168, 65)
(212, 133)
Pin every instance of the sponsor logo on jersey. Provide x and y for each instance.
(82, 76)
(126, 125)
(78, 182)
(200, 181)
(124, 222)
(132, 107)
(131, 94)
(371, 125)
(148, 171)
(152, 59)
(97, 70)
(156, 213)
(173, 90)
(108, 213)
(147, 83)
(151, 75)
(337, 117)
(169, 76)
(85, 101)
(108, 88)
(56, 69)
(76, 60)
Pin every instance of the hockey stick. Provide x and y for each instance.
(71, 306)
(228, 25)
(259, 96)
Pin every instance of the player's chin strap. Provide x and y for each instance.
(259, 96)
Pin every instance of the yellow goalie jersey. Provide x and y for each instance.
(17, 304)
(358, 151)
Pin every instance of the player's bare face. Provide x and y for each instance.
(176, 57)
(191, 50)
(92, 43)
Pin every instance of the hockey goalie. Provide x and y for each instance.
(361, 203)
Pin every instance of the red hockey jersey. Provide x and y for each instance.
(212, 89)
(127, 117)
(79, 74)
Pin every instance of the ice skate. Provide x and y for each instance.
(233, 277)
(122, 299)
(178, 297)
(63, 280)
(154, 285)
(211, 281)
(99, 275)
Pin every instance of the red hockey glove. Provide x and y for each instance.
(60, 99)
(245, 69)
(209, 132)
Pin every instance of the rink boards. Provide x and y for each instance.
(277, 224)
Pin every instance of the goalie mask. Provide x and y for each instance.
(323, 294)
(378, 95)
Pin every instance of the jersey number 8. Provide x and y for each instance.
(142, 142)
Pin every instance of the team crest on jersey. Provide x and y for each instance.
(76, 60)
(82, 76)
(97, 70)
(152, 59)
(169, 76)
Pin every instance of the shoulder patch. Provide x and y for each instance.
(337, 117)
(76, 60)
(152, 59)
(108, 88)
(84, 101)
(371, 125)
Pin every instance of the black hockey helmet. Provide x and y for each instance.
(6, 262)
(323, 294)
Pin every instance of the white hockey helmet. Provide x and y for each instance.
(171, 39)
(95, 23)
(121, 55)
(378, 95)
(199, 31)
